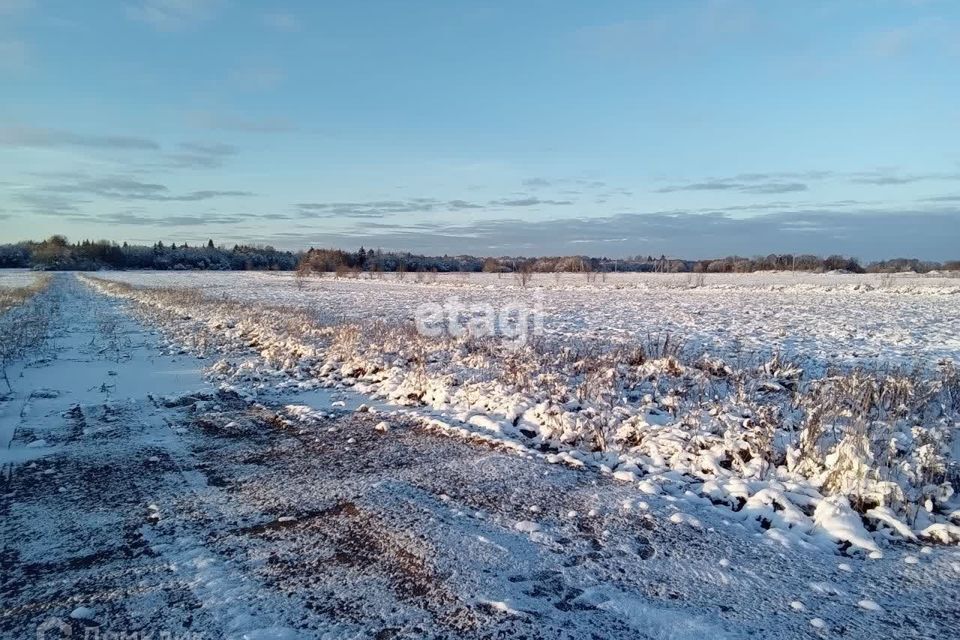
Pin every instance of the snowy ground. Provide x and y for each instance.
(727, 404)
(140, 497)
(17, 277)
(823, 318)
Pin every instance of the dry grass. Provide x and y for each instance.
(877, 437)
(23, 326)
(14, 296)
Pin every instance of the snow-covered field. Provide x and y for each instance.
(16, 285)
(326, 470)
(13, 278)
(826, 318)
(796, 427)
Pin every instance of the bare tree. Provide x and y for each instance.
(304, 269)
(524, 273)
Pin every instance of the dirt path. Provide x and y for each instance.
(155, 504)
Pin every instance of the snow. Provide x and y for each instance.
(869, 605)
(16, 278)
(222, 487)
(653, 435)
(837, 520)
(527, 526)
(824, 318)
(83, 613)
(886, 516)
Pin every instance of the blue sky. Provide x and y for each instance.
(527, 127)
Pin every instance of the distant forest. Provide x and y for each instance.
(57, 253)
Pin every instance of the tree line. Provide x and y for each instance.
(57, 253)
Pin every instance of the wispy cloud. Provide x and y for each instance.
(537, 183)
(123, 188)
(932, 33)
(869, 234)
(679, 30)
(51, 138)
(11, 7)
(258, 78)
(774, 187)
(384, 208)
(885, 177)
(729, 184)
(282, 21)
(136, 219)
(173, 15)
(242, 124)
(198, 155)
(209, 148)
(380, 208)
(48, 203)
(527, 202)
(14, 56)
(794, 181)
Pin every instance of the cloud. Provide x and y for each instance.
(280, 21)
(931, 33)
(381, 208)
(586, 183)
(48, 203)
(122, 188)
(12, 7)
(624, 38)
(209, 148)
(460, 205)
(888, 177)
(714, 185)
(812, 174)
(384, 208)
(200, 155)
(886, 180)
(173, 15)
(680, 30)
(132, 218)
(230, 122)
(257, 78)
(774, 187)
(794, 181)
(14, 56)
(53, 138)
(527, 202)
(728, 184)
(536, 183)
(868, 234)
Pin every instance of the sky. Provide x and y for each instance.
(524, 127)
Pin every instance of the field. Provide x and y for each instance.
(262, 455)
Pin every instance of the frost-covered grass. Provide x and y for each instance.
(18, 287)
(810, 448)
(822, 319)
(23, 322)
(11, 278)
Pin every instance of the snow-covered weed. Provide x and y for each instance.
(879, 438)
(728, 429)
(24, 322)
